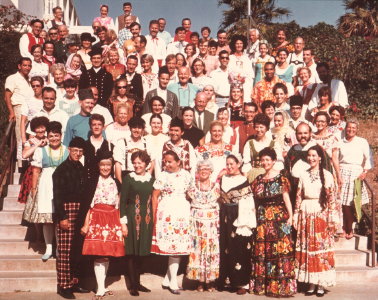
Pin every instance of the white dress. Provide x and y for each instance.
(173, 214)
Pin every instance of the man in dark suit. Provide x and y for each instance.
(134, 81)
(98, 77)
(202, 117)
(172, 107)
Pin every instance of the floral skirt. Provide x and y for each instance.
(204, 258)
(104, 237)
(31, 214)
(26, 185)
(273, 253)
(315, 255)
(171, 232)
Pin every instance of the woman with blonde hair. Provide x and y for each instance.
(58, 72)
(119, 129)
(73, 67)
(114, 66)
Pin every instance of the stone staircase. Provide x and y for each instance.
(21, 268)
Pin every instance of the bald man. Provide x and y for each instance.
(185, 91)
(202, 117)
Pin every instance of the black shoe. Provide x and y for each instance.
(174, 292)
(66, 293)
(320, 292)
(134, 292)
(143, 289)
(78, 289)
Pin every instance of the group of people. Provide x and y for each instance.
(234, 154)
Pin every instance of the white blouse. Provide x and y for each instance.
(356, 152)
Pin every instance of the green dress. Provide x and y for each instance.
(136, 205)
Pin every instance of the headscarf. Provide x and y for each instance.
(71, 71)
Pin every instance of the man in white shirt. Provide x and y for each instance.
(296, 115)
(308, 59)
(220, 78)
(296, 58)
(254, 40)
(338, 90)
(211, 62)
(155, 45)
(17, 90)
(165, 35)
(179, 45)
(29, 39)
(127, 12)
(50, 110)
(125, 147)
(58, 18)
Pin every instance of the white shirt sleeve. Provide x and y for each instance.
(37, 158)
(119, 153)
(193, 160)
(246, 158)
(24, 46)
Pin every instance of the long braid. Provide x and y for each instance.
(323, 193)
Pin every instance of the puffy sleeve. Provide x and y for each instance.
(37, 158)
(159, 182)
(246, 219)
(368, 156)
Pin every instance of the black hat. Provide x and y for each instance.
(95, 51)
(85, 94)
(77, 142)
(296, 100)
(86, 36)
(72, 39)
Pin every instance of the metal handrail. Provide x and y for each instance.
(9, 138)
(373, 255)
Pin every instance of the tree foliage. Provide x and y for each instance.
(263, 12)
(352, 59)
(361, 20)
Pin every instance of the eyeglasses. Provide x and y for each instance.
(76, 150)
(35, 85)
(53, 33)
(122, 87)
(224, 57)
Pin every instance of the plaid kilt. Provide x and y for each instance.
(348, 174)
(64, 238)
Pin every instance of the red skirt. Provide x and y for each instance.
(104, 237)
(26, 185)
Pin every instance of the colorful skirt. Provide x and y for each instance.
(31, 214)
(104, 237)
(315, 257)
(26, 185)
(204, 258)
(348, 174)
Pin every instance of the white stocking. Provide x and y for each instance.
(100, 272)
(48, 234)
(173, 266)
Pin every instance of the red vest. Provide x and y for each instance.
(33, 41)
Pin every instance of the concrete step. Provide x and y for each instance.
(24, 263)
(13, 190)
(351, 258)
(11, 217)
(11, 203)
(353, 274)
(11, 231)
(16, 177)
(46, 281)
(20, 247)
(358, 242)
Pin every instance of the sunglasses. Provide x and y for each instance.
(53, 33)
(121, 87)
(35, 85)
(224, 57)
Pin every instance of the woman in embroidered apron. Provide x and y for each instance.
(237, 219)
(102, 227)
(273, 252)
(315, 219)
(204, 228)
(39, 207)
(171, 212)
(136, 217)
